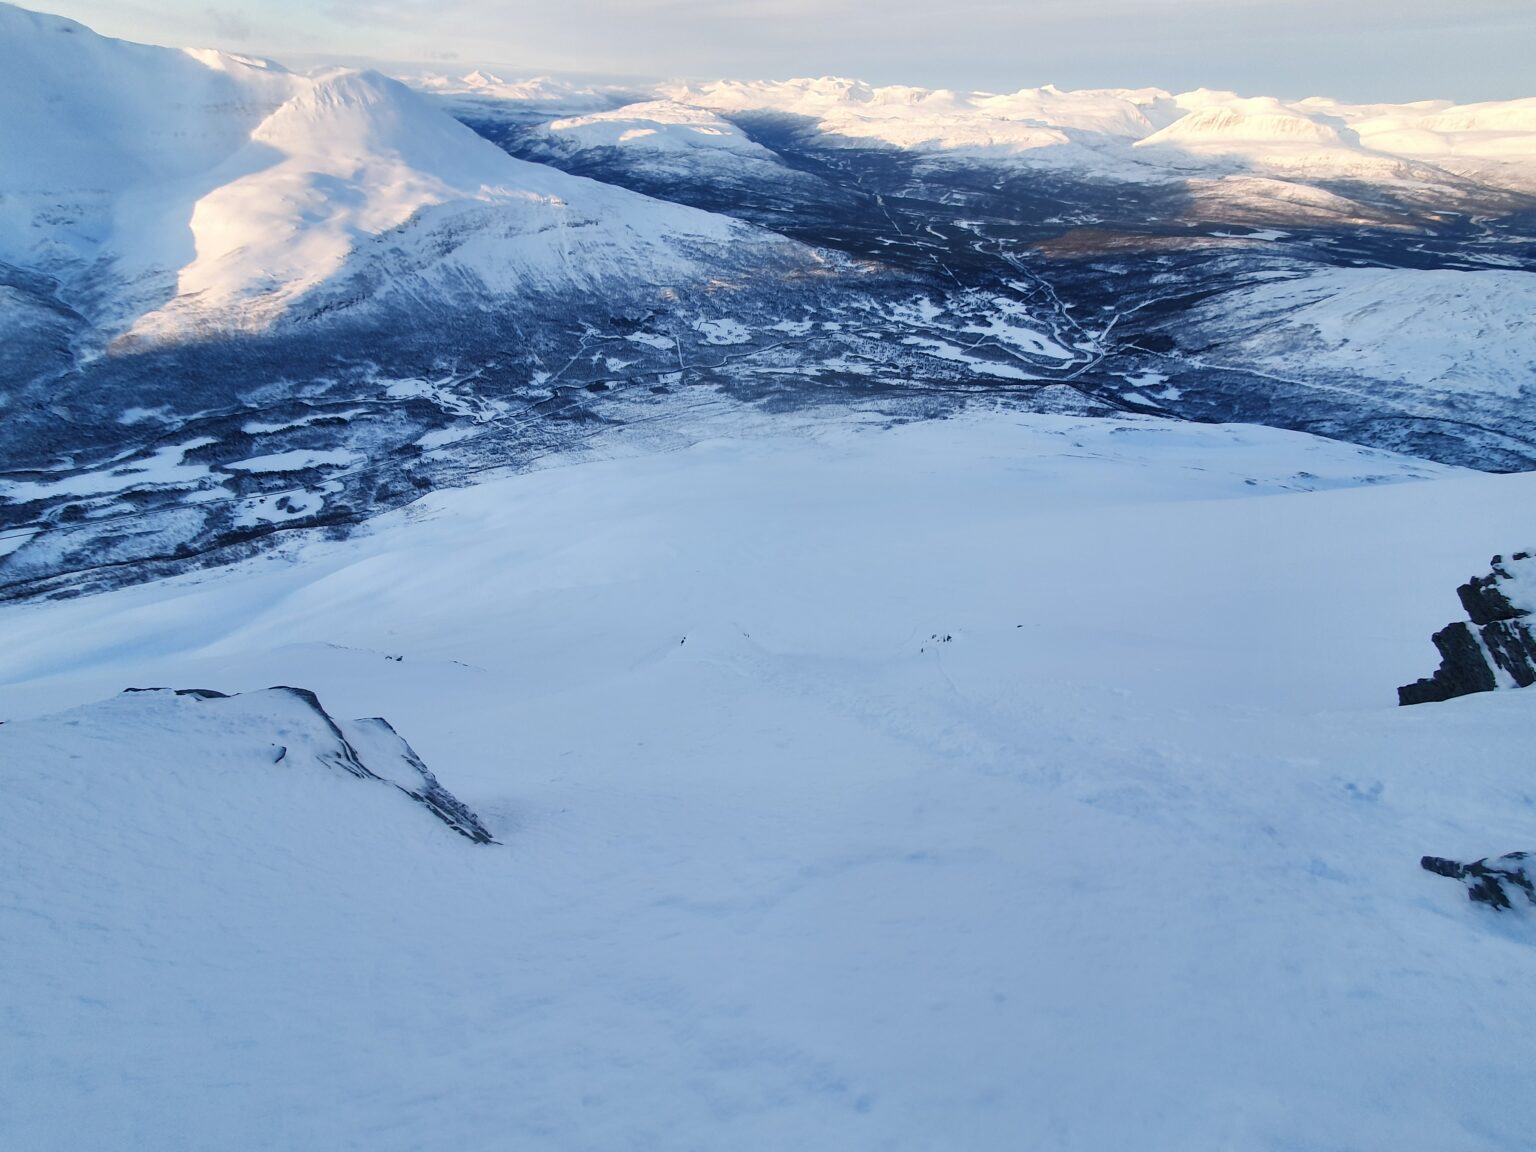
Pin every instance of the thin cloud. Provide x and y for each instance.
(228, 25)
(1362, 49)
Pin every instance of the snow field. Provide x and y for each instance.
(995, 782)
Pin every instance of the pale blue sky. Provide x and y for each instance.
(1355, 49)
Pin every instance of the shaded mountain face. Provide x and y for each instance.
(236, 301)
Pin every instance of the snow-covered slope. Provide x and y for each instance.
(661, 141)
(991, 783)
(1494, 141)
(1443, 332)
(181, 192)
(526, 97)
(659, 125)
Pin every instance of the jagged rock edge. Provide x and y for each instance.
(1471, 655)
(433, 796)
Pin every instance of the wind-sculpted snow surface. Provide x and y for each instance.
(1000, 782)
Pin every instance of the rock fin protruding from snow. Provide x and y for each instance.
(369, 749)
(1498, 648)
(385, 748)
(1492, 880)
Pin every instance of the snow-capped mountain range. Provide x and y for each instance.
(370, 289)
(1136, 132)
(1129, 134)
(182, 193)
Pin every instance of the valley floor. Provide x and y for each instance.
(997, 782)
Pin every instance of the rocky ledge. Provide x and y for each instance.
(299, 731)
(1493, 880)
(1497, 648)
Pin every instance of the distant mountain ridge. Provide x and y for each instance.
(238, 302)
(1132, 134)
(177, 193)
(1494, 141)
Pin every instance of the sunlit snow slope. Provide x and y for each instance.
(175, 193)
(994, 783)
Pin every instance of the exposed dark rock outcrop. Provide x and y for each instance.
(369, 749)
(195, 693)
(1493, 880)
(1498, 648)
(375, 738)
